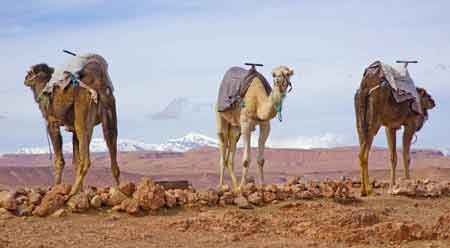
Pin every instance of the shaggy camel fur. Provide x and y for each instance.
(73, 107)
(258, 109)
(375, 106)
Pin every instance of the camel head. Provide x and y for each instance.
(426, 100)
(281, 78)
(38, 75)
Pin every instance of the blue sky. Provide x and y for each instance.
(162, 50)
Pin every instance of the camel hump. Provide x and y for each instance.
(76, 64)
(235, 84)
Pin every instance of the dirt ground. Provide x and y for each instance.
(377, 221)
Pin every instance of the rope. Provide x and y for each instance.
(279, 108)
(415, 139)
(50, 157)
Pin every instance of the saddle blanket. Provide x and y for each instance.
(74, 65)
(235, 84)
(403, 85)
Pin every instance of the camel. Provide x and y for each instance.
(375, 106)
(256, 108)
(74, 108)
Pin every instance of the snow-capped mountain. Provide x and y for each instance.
(183, 144)
(181, 106)
(445, 151)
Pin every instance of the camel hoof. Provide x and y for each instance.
(223, 187)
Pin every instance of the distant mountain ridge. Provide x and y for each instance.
(181, 106)
(183, 144)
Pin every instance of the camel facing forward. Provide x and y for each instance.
(74, 107)
(257, 107)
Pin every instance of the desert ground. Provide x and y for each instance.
(380, 220)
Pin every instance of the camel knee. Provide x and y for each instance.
(260, 162)
(246, 163)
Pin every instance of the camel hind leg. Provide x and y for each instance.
(392, 140)
(224, 133)
(109, 126)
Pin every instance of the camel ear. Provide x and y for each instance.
(290, 72)
(421, 91)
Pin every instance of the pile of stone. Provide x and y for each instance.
(421, 188)
(150, 196)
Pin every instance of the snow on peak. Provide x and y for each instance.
(183, 144)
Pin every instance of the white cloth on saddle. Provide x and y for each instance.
(403, 85)
(74, 65)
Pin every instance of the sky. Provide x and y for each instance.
(163, 50)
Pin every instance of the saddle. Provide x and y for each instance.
(70, 72)
(235, 84)
(399, 80)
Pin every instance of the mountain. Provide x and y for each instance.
(183, 144)
(181, 106)
(445, 151)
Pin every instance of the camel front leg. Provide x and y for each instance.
(246, 158)
(58, 161)
(408, 135)
(391, 135)
(264, 131)
(365, 145)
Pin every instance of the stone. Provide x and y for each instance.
(242, 202)
(51, 202)
(59, 213)
(271, 188)
(34, 197)
(249, 188)
(21, 191)
(441, 229)
(171, 199)
(127, 188)
(115, 197)
(24, 210)
(226, 199)
(297, 188)
(303, 195)
(192, 197)
(213, 197)
(8, 200)
(130, 205)
(150, 196)
(269, 197)
(79, 202)
(282, 196)
(256, 198)
(62, 189)
(5, 214)
(433, 189)
(96, 201)
(292, 180)
(181, 196)
(104, 197)
(91, 191)
(404, 187)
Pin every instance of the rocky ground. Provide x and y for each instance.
(297, 213)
